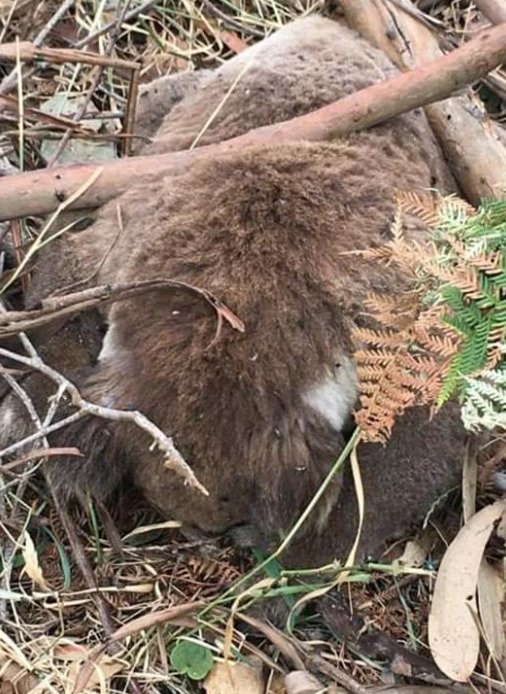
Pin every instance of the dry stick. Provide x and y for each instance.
(173, 459)
(99, 71)
(77, 548)
(56, 307)
(30, 52)
(471, 144)
(9, 82)
(38, 192)
(494, 10)
(107, 27)
(10, 103)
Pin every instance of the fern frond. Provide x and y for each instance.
(423, 206)
(452, 330)
(489, 263)
(440, 344)
(378, 338)
(485, 403)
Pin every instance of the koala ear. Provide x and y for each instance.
(99, 471)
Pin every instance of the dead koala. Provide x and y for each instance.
(260, 416)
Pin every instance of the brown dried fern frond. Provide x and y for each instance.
(423, 206)
(490, 264)
(378, 338)
(402, 361)
(428, 207)
(443, 345)
(393, 378)
(393, 312)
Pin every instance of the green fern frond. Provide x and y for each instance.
(484, 404)
(451, 340)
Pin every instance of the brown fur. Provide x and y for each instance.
(265, 230)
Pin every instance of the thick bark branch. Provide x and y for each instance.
(40, 192)
(494, 10)
(469, 139)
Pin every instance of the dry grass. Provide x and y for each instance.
(51, 628)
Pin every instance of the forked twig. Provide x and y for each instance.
(173, 459)
(56, 307)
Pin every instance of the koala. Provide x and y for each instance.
(259, 415)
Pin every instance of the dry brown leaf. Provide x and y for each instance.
(16, 680)
(240, 678)
(153, 619)
(71, 651)
(32, 566)
(302, 682)
(416, 551)
(454, 637)
(170, 614)
(490, 597)
(103, 670)
(233, 41)
(276, 684)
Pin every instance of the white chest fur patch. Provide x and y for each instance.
(7, 416)
(334, 396)
(110, 346)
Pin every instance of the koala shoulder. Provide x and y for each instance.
(306, 64)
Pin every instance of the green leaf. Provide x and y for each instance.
(192, 659)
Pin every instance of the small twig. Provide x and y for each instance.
(29, 52)
(107, 27)
(54, 308)
(41, 433)
(237, 26)
(10, 103)
(94, 84)
(10, 80)
(172, 458)
(38, 454)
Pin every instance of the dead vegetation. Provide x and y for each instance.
(157, 590)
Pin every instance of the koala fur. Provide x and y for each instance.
(262, 415)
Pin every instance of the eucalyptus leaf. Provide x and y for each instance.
(78, 150)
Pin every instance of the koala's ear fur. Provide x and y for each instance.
(158, 98)
(101, 469)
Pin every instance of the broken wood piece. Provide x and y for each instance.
(39, 192)
(29, 52)
(493, 10)
(470, 141)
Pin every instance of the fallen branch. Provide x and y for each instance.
(470, 141)
(494, 10)
(29, 52)
(39, 192)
